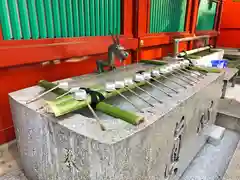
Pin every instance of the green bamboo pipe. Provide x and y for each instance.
(205, 69)
(68, 104)
(154, 62)
(195, 68)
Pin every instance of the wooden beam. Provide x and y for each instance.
(148, 15)
(161, 38)
(30, 52)
(220, 12)
(127, 18)
(211, 33)
(194, 16)
(142, 17)
(188, 15)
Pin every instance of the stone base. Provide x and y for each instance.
(73, 147)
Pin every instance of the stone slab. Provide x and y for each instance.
(230, 73)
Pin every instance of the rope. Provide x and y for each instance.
(96, 96)
(6, 128)
(140, 72)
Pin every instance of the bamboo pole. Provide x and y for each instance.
(68, 104)
(75, 105)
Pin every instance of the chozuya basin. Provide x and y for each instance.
(73, 147)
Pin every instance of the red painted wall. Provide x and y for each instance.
(230, 25)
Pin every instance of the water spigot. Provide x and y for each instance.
(114, 49)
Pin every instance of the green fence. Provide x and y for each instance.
(206, 15)
(167, 16)
(37, 19)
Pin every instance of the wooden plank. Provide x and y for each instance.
(36, 53)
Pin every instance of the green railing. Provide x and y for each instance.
(167, 16)
(206, 15)
(37, 19)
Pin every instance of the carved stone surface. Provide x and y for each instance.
(73, 146)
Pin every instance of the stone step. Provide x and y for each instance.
(213, 160)
(233, 170)
(229, 109)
